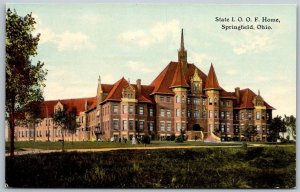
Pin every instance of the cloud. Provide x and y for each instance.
(138, 67)
(231, 72)
(157, 33)
(249, 42)
(200, 58)
(64, 41)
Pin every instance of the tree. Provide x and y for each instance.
(249, 132)
(72, 124)
(24, 81)
(290, 124)
(65, 121)
(277, 125)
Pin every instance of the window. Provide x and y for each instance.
(227, 115)
(168, 113)
(228, 103)
(151, 126)
(196, 101)
(203, 114)
(263, 128)
(222, 114)
(222, 103)
(236, 116)
(141, 111)
(130, 109)
(257, 115)
(210, 114)
(196, 113)
(168, 126)
(249, 115)
(116, 108)
(151, 112)
(141, 125)
(203, 102)
(177, 112)
(242, 115)
(130, 124)
(182, 99)
(177, 99)
(178, 126)
(262, 116)
(188, 100)
(258, 128)
(123, 109)
(161, 99)
(116, 124)
(210, 101)
(189, 113)
(227, 127)
(222, 127)
(182, 113)
(168, 99)
(162, 112)
(182, 126)
(215, 101)
(162, 126)
(216, 114)
(124, 125)
(268, 116)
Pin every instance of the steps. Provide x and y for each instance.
(211, 137)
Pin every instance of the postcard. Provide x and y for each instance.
(177, 96)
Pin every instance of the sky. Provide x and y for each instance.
(79, 42)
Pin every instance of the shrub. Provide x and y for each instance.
(146, 139)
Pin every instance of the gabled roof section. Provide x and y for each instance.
(71, 105)
(116, 91)
(106, 87)
(179, 78)
(246, 98)
(164, 80)
(212, 81)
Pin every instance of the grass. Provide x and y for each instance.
(255, 167)
(98, 145)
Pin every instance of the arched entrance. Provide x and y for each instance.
(196, 127)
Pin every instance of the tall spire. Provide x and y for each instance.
(99, 80)
(182, 54)
(182, 41)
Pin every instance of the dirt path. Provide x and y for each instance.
(38, 151)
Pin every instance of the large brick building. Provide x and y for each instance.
(181, 97)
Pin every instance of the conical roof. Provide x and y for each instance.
(211, 80)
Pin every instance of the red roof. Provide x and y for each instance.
(246, 98)
(212, 81)
(171, 76)
(117, 89)
(71, 105)
(179, 78)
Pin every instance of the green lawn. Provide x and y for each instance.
(254, 167)
(97, 145)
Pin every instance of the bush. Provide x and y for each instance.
(146, 139)
(179, 139)
(173, 137)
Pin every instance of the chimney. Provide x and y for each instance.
(138, 85)
(237, 94)
(85, 105)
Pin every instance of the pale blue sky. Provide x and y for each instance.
(81, 41)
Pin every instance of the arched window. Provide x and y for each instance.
(210, 101)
